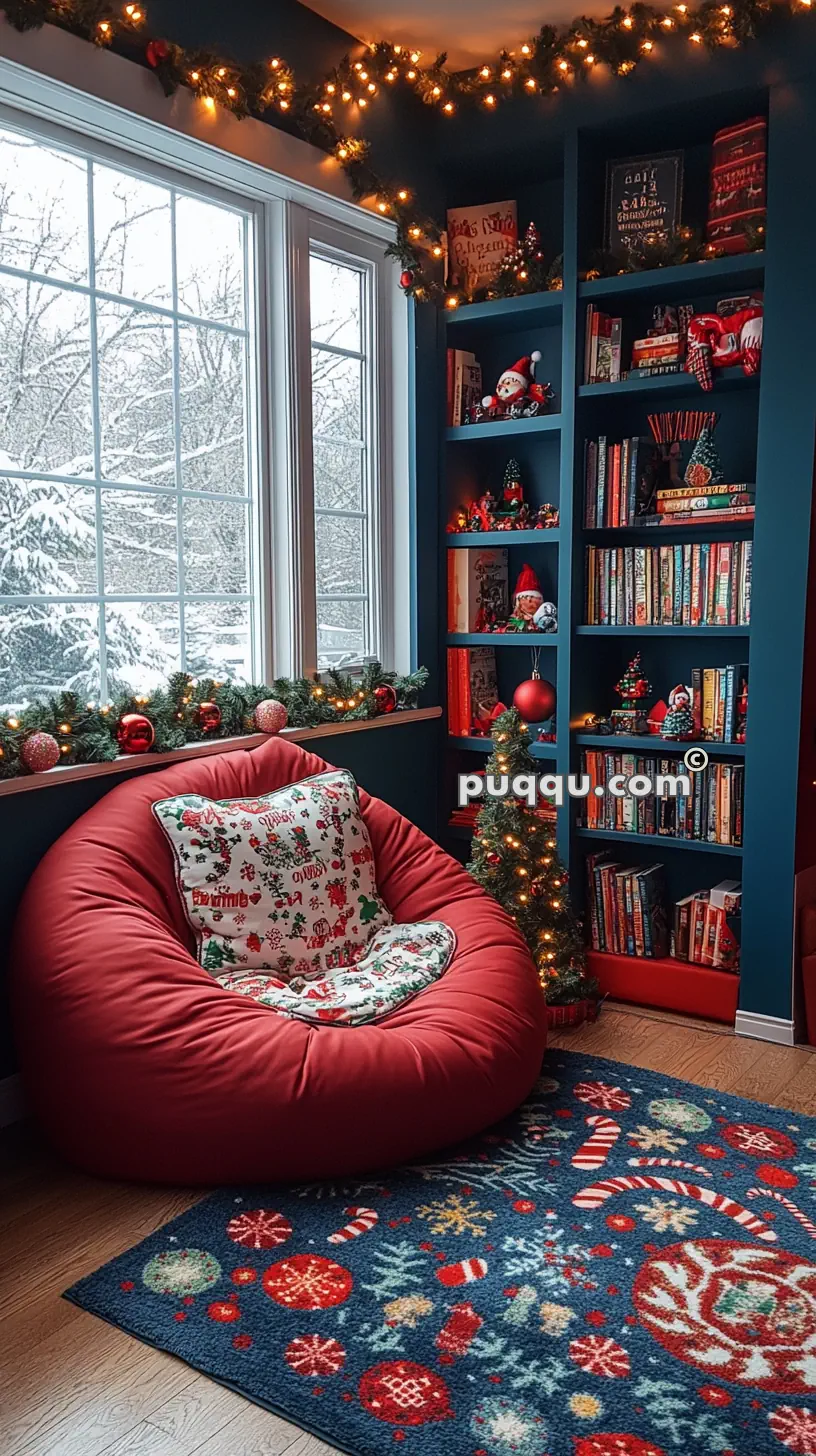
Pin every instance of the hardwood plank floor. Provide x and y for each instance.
(71, 1385)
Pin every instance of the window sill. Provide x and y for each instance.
(127, 763)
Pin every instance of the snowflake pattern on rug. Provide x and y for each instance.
(504, 1300)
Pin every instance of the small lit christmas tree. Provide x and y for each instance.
(705, 466)
(512, 498)
(525, 270)
(514, 858)
(632, 687)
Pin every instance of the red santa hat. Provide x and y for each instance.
(528, 584)
(524, 368)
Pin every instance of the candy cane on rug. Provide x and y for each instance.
(786, 1203)
(595, 1151)
(597, 1194)
(362, 1220)
(669, 1163)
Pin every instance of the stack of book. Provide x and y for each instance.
(706, 927)
(627, 907)
(716, 695)
(712, 504)
(612, 473)
(472, 689)
(711, 811)
(701, 584)
(464, 385)
(602, 348)
(465, 817)
(477, 588)
(658, 354)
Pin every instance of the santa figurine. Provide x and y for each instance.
(517, 392)
(527, 598)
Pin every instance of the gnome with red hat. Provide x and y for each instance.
(527, 598)
(517, 393)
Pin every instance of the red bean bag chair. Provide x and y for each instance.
(139, 1065)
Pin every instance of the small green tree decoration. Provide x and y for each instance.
(514, 858)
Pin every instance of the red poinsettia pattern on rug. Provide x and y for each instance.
(626, 1267)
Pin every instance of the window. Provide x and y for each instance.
(343, 450)
(128, 484)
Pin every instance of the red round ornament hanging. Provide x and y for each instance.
(270, 716)
(385, 698)
(135, 733)
(156, 51)
(208, 717)
(535, 698)
(40, 752)
(406, 278)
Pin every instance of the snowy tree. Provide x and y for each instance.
(88, 390)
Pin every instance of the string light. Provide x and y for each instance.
(403, 195)
(209, 102)
(647, 46)
(485, 73)
(104, 27)
(531, 84)
(449, 108)
(696, 37)
(525, 49)
(490, 99)
(627, 22)
(563, 65)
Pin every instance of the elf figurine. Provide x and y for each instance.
(678, 722)
(527, 598)
(517, 393)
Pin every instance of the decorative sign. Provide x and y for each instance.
(478, 238)
(643, 196)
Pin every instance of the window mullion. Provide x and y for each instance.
(102, 626)
(177, 436)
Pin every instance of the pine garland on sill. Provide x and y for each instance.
(191, 710)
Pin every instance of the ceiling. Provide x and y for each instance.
(469, 30)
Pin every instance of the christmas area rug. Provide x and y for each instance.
(626, 1267)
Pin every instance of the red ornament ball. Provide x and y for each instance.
(40, 752)
(406, 278)
(208, 717)
(493, 858)
(270, 716)
(385, 698)
(156, 51)
(535, 699)
(135, 733)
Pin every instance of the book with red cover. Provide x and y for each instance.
(737, 192)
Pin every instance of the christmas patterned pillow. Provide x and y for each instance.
(284, 882)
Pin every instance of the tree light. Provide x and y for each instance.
(210, 103)
(563, 66)
(628, 22)
(696, 37)
(437, 250)
(507, 74)
(403, 195)
(667, 22)
(436, 91)
(531, 84)
(525, 49)
(589, 60)
(449, 107)
(362, 102)
(647, 46)
(411, 75)
(331, 88)
(415, 55)
(104, 27)
(490, 99)
(485, 73)
(415, 232)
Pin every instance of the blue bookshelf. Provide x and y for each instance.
(765, 433)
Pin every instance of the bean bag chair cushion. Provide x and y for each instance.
(139, 1065)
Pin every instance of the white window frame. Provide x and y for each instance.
(254, 328)
(312, 234)
(289, 212)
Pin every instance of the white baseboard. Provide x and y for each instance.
(12, 1104)
(765, 1028)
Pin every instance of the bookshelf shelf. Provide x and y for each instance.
(500, 315)
(667, 984)
(550, 537)
(651, 741)
(666, 384)
(485, 746)
(724, 632)
(502, 639)
(661, 840)
(744, 270)
(661, 535)
(504, 429)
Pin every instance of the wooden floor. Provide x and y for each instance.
(71, 1385)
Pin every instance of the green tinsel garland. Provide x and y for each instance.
(86, 733)
(555, 58)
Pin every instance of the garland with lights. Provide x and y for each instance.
(555, 58)
(514, 858)
(189, 710)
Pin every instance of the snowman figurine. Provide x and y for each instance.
(678, 722)
(545, 619)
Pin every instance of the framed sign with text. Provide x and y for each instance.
(643, 199)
